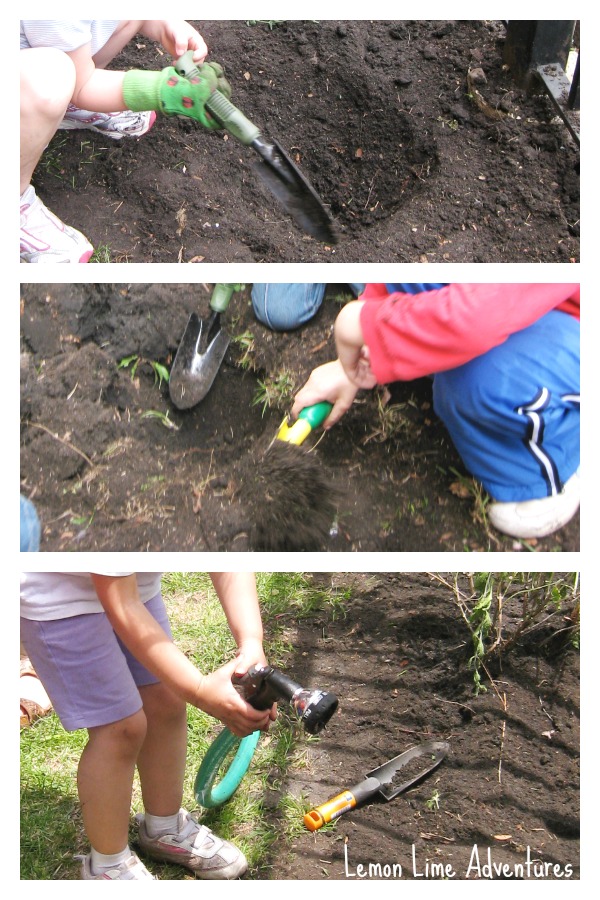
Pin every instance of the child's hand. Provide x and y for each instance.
(352, 352)
(217, 696)
(328, 382)
(250, 653)
(176, 36)
(358, 369)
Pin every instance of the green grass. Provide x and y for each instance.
(51, 827)
(51, 160)
(101, 254)
(275, 392)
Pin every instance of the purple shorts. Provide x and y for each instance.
(90, 677)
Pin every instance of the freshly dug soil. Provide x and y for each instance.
(510, 782)
(291, 499)
(111, 464)
(415, 160)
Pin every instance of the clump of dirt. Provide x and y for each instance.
(292, 500)
(413, 164)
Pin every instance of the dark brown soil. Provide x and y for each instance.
(112, 465)
(510, 782)
(413, 164)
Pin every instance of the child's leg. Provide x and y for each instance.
(89, 682)
(47, 85)
(105, 780)
(513, 413)
(283, 307)
(161, 760)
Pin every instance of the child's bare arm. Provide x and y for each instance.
(101, 89)
(144, 637)
(238, 597)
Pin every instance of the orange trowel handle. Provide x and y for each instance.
(342, 803)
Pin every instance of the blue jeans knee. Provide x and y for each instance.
(31, 530)
(283, 307)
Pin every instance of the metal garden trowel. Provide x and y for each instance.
(280, 175)
(389, 780)
(201, 351)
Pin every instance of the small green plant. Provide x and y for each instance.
(162, 417)
(480, 623)
(152, 483)
(452, 124)
(88, 152)
(434, 801)
(161, 373)
(245, 343)
(502, 608)
(131, 363)
(392, 421)
(86, 521)
(465, 486)
(51, 161)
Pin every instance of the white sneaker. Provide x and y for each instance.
(195, 847)
(45, 239)
(537, 518)
(113, 125)
(130, 870)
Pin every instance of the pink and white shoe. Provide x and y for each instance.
(114, 125)
(195, 847)
(130, 870)
(45, 239)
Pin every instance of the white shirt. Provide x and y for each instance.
(60, 595)
(67, 34)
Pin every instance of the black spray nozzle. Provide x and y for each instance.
(262, 686)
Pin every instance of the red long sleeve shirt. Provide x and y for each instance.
(414, 335)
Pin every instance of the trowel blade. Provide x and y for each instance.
(392, 779)
(195, 367)
(297, 196)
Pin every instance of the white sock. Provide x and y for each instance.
(159, 825)
(102, 862)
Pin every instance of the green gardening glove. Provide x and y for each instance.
(168, 93)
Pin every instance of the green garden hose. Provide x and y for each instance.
(210, 794)
(261, 686)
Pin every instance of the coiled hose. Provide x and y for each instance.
(208, 791)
